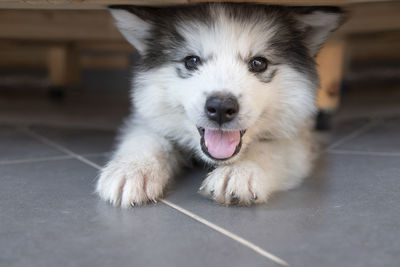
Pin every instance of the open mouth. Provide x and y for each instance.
(220, 144)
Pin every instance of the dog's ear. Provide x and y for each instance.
(317, 23)
(135, 23)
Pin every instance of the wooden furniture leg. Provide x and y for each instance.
(330, 68)
(63, 68)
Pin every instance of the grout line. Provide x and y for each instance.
(17, 161)
(51, 158)
(227, 233)
(199, 219)
(60, 148)
(364, 153)
(352, 135)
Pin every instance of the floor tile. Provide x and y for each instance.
(80, 141)
(340, 130)
(15, 145)
(346, 214)
(50, 217)
(384, 137)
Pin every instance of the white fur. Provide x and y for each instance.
(169, 109)
(266, 168)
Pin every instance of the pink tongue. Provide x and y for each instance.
(221, 144)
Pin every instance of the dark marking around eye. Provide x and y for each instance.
(183, 74)
(266, 78)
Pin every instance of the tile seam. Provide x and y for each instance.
(195, 217)
(50, 158)
(353, 134)
(364, 153)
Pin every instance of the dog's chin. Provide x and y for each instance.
(220, 145)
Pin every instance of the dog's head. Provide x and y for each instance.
(236, 72)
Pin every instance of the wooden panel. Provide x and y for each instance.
(374, 47)
(91, 54)
(101, 4)
(372, 17)
(98, 25)
(58, 25)
(105, 61)
(286, 2)
(80, 4)
(106, 46)
(29, 57)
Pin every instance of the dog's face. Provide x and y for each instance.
(236, 72)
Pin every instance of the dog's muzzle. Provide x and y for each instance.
(221, 144)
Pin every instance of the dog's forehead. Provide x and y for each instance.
(221, 31)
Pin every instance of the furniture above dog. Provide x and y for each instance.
(99, 4)
(53, 34)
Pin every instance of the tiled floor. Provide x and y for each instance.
(346, 214)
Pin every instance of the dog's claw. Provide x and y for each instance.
(234, 200)
(133, 204)
(254, 198)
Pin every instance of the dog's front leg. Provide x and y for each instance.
(265, 167)
(139, 170)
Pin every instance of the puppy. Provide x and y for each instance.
(231, 84)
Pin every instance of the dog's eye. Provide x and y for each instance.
(192, 62)
(258, 64)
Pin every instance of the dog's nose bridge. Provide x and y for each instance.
(221, 108)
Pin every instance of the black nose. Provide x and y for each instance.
(221, 108)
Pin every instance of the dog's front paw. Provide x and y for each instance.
(242, 183)
(127, 181)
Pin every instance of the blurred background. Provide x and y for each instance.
(63, 62)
